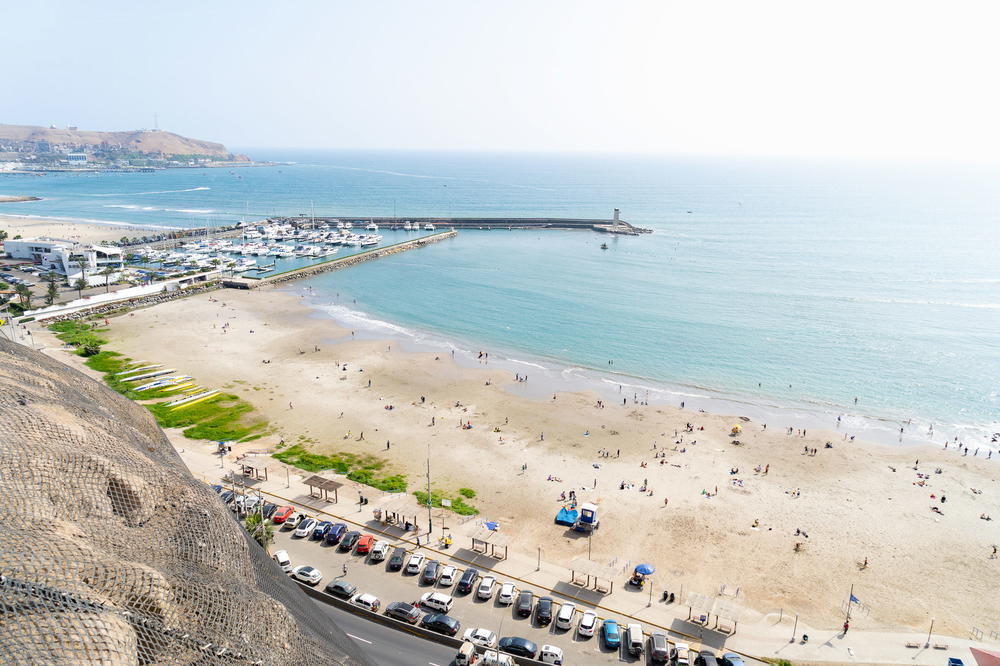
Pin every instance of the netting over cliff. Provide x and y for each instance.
(112, 553)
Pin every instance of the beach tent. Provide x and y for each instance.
(492, 525)
(566, 517)
(986, 657)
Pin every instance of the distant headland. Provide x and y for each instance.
(27, 148)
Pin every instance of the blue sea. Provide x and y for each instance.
(778, 290)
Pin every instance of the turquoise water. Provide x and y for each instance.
(770, 286)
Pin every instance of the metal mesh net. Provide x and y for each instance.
(112, 553)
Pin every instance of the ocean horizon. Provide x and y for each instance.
(780, 289)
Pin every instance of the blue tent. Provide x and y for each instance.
(566, 517)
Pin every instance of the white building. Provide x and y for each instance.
(65, 257)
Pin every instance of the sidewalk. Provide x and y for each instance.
(761, 636)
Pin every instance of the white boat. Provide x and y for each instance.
(371, 226)
(407, 226)
(428, 227)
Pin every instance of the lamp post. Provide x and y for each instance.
(928, 643)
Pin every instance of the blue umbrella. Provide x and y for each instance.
(645, 569)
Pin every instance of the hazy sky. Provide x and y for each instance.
(882, 80)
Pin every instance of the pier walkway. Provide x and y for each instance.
(336, 264)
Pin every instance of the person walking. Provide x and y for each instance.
(847, 625)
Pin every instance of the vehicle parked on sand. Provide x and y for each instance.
(507, 593)
(403, 611)
(292, 522)
(680, 654)
(341, 588)
(543, 611)
(564, 618)
(518, 646)
(281, 514)
(321, 529)
(551, 654)
(348, 541)
(486, 587)
(611, 633)
(733, 659)
(281, 557)
(436, 601)
(431, 572)
(481, 637)
(443, 624)
(335, 532)
(379, 551)
(588, 623)
(415, 562)
(468, 580)
(706, 658)
(634, 640)
(305, 528)
(447, 577)
(365, 544)
(396, 561)
(367, 601)
(659, 647)
(525, 603)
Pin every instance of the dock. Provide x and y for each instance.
(336, 264)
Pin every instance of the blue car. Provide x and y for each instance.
(955, 661)
(612, 634)
(335, 532)
(320, 530)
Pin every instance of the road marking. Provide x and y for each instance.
(358, 638)
(432, 663)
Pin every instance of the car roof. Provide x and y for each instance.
(279, 553)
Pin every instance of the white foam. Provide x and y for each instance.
(87, 220)
(134, 194)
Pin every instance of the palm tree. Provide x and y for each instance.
(51, 293)
(82, 265)
(107, 272)
(3, 235)
(260, 529)
(80, 285)
(24, 294)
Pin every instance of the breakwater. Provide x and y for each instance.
(336, 264)
(610, 225)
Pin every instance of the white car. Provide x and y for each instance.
(681, 654)
(367, 601)
(447, 575)
(588, 623)
(281, 557)
(308, 574)
(506, 594)
(494, 658)
(564, 618)
(294, 521)
(550, 654)
(481, 637)
(413, 565)
(305, 528)
(379, 551)
(486, 587)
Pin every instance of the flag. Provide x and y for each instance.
(855, 600)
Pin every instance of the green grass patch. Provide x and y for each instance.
(80, 335)
(458, 504)
(467, 492)
(219, 418)
(361, 468)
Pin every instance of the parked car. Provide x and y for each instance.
(268, 509)
(396, 561)
(292, 522)
(436, 601)
(307, 574)
(468, 580)
(611, 633)
(281, 557)
(587, 624)
(481, 637)
(659, 647)
(506, 594)
(525, 603)
(227, 496)
(443, 624)
(486, 587)
(415, 562)
(305, 528)
(516, 645)
(551, 654)
(251, 503)
(365, 544)
(494, 658)
(635, 643)
(447, 577)
(706, 658)
(321, 529)
(348, 541)
(341, 588)
(680, 654)
(430, 574)
(335, 532)
(564, 618)
(217, 488)
(543, 611)
(281, 514)
(367, 601)
(379, 551)
(733, 659)
(403, 611)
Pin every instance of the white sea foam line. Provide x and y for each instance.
(87, 220)
(348, 316)
(165, 210)
(533, 365)
(133, 194)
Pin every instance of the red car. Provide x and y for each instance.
(365, 544)
(282, 514)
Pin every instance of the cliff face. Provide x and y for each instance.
(112, 553)
(146, 141)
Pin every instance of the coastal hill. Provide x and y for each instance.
(140, 141)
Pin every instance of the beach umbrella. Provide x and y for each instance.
(492, 525)
(645, 569)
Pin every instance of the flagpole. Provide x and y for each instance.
(849, 602)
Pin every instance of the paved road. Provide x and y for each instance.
(386, 646)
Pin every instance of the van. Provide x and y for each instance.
(634, 641)
(494, 658)
(437, 602)
(466, 654)
(281, 557)
(550, 654)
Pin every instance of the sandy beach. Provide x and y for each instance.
(35, 227)
(788, 520)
